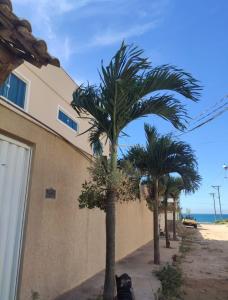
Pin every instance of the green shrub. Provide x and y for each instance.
(35, 295)
(171, 280)
(225, 221)
(183, 248)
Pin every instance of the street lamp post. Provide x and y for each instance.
(225, 167)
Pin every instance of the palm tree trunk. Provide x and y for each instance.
(109, 284)
(167, 242)
(174, 220)
(156, 227)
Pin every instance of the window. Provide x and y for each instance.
(63, 117)
(14, 90)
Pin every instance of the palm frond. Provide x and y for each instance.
(168, 77)
(95, 135)
(130, 89)
(151, 134)
(137, 156)
(166, 107)
(163, 156)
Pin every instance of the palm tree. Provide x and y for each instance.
(172, 188)
(161, 156)
(130, 89)
(167, 187)
(175, 191)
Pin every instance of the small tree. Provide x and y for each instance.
(94, 192)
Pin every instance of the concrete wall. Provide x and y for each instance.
(63, 246)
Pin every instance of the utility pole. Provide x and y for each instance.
(213, 196)
(217, 187)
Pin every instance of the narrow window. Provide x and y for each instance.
(63, 117)
(14, 90)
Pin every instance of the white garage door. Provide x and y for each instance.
(14, 173)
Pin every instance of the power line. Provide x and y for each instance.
(209, 120)
(211, 107)
(210, 113)
(205, 122)
(213, 114)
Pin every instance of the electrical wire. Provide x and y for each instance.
(211, 112)
(211, 107)
(207, 117)
(205, 122)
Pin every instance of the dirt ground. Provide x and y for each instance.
(205, 265)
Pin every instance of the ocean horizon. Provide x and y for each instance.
(207, 218)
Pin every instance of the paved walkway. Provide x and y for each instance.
(139, 265)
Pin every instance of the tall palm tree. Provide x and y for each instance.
(167, 187)
(161, 156)
(175, 191)
(173, 186)
(130, 89)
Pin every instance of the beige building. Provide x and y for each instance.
(48, 245)
(46, 94)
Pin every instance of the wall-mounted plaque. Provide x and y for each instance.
(50, 193)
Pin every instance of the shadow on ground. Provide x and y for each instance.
(139, 265)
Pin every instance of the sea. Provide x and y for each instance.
(207, 218)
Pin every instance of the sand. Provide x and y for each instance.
(205, 266)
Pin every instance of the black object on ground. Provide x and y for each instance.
(124, 287)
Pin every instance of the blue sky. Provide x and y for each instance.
(189, 34)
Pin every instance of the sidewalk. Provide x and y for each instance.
(139, 265)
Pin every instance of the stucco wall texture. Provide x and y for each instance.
(62, 245)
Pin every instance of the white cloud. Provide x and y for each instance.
(61, 48)
(67, 49)
(111, 36)
(44, 13)
(45, 16)
(57, 6)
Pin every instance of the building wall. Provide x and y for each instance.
(63, 246)
(169, 218)
(48, 89)
(162, 219)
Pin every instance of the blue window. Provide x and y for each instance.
(67, 120)
(14, 90)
